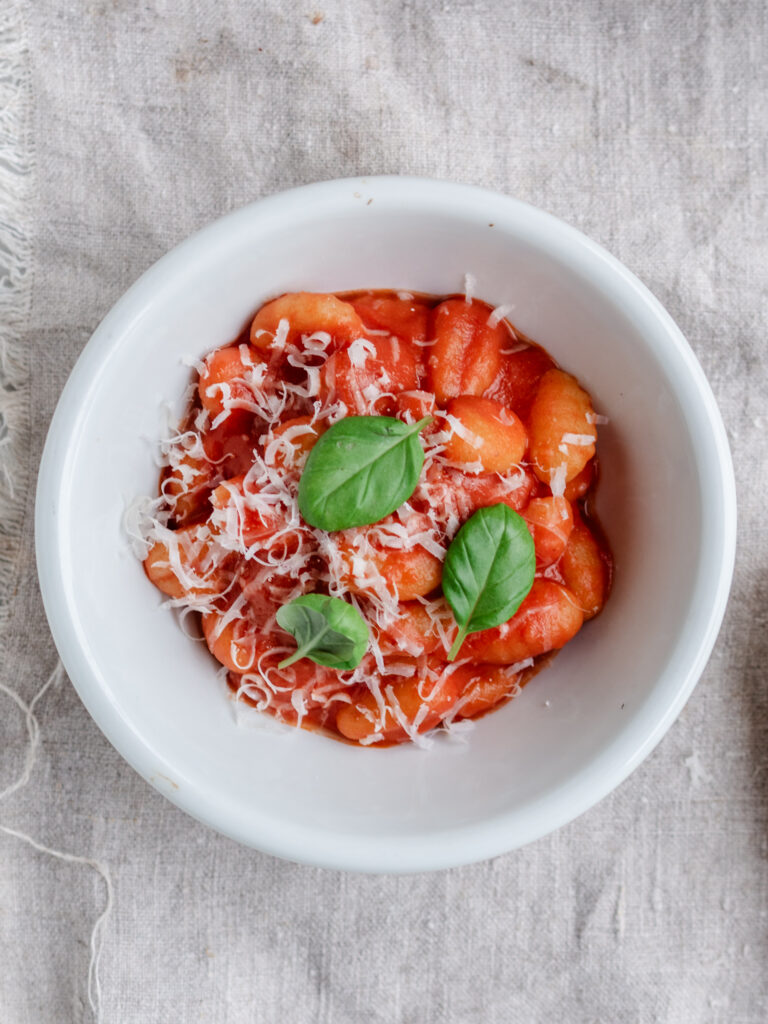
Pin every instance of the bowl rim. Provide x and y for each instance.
(305, 844)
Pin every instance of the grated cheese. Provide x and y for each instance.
(273, 566)
(458, 428)
(578, 439)
(359, 351)
(498, 314)
(557, 480)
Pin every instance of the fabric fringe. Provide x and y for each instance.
(16, 263)
(94, 984)
(16, 204)
(33, 736)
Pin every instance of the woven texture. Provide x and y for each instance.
(124, 126)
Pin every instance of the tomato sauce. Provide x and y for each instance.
(508, 427)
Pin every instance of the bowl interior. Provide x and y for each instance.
(581, 725)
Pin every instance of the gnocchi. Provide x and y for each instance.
(484, 432)
(498, 422)
(562, 427)
(466, 356)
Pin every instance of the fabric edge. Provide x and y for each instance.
(17, 190)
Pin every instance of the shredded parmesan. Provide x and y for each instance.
(578, 439)
(557, 480)
(193, 363)
(458, 428)
(255, 553)
(281, 335)
(360, 350)
(498, 314)
(511, 350)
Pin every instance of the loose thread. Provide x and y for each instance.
(33, 727)
(33, 734)
(17, 199)
(16, 263)
(94, 985)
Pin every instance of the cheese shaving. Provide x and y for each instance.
(254, 552)
(462, 431)
(360, 350)
(498, 314)
(582, 440)
(558, 479)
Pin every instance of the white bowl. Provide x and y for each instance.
(666, 501)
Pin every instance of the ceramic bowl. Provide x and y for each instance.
(666, 501)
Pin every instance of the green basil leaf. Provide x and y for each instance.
(360, 470)
(488, 570)
(328, 630)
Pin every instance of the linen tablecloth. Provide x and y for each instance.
(127, 124)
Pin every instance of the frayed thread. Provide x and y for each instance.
(16, 204)
(16, 263)
(94, 985)
(33, 727)
(33, 735)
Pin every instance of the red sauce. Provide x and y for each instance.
(509, 426)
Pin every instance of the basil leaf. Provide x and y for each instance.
(328, 630)
(360, 470)
(488, 570)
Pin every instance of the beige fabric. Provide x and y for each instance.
(124, 126)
